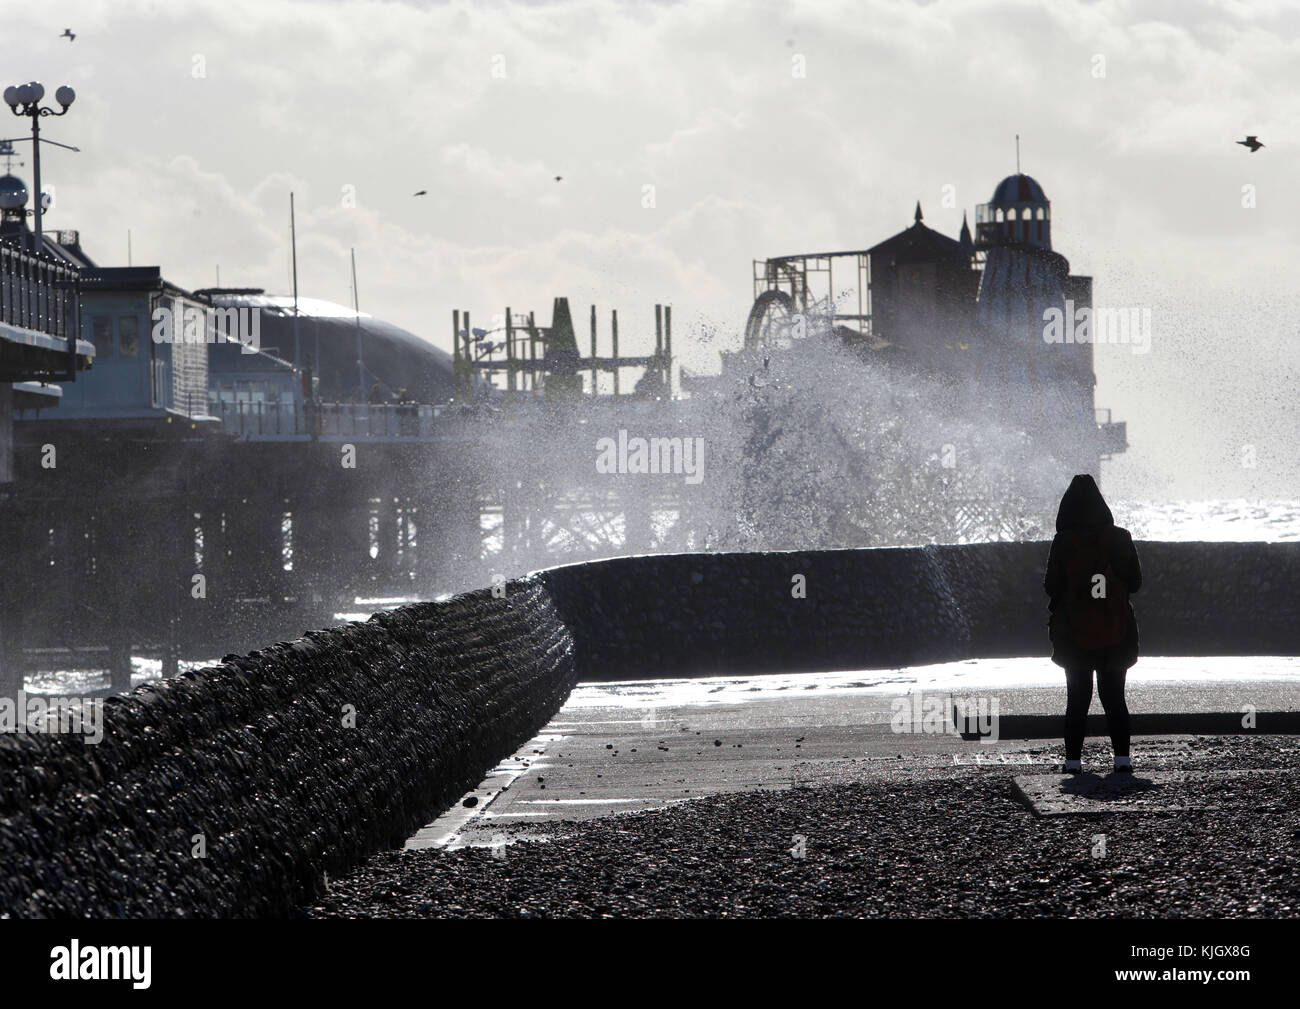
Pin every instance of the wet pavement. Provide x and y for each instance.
(623, 747)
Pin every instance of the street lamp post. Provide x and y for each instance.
(25, 100)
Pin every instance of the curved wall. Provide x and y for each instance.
(700, 614)
(258, 756)
(703, 614)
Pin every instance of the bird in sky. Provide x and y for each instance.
(68, 34)
(558, 178)
(422, 192)
(1251, 142)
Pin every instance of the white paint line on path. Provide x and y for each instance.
(445, 831)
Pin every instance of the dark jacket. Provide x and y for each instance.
(1084, 509)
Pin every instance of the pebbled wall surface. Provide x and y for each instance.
(259, 756)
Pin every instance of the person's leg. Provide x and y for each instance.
(1110, 687)
(1078, 685)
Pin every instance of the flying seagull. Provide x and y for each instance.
(67, 34)
(1251, 142)
(422, 192)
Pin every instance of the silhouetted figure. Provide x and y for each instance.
(376, 396)
(1252, 143)
(1091, 572)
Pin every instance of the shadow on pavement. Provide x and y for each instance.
(1112, 786)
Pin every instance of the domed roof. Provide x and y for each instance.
(394, 356)
(1018, 189)
(13, 192)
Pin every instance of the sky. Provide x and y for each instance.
(693, 138)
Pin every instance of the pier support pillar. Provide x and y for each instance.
(11, 606)
(12, 671)
(119, 649)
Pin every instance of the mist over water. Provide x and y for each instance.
(812, 445)
(816, 446)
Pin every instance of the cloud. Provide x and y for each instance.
(197, 121)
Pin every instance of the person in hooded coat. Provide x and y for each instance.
(1083, 513)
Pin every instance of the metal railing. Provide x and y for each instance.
(480, 421)
(348, 420)
(36, 292)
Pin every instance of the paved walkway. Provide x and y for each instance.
(617, 747)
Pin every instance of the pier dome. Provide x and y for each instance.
(1019, 213)
(13, 192)
(394, 358)
(1015, 189)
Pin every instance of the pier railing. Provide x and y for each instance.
(386, 421)
(35, 292)
(289, 420)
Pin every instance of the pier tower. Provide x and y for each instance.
(1022, 276)
(1024, 283)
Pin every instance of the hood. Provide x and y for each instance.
(1082, 506)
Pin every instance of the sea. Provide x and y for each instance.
(1227, 520)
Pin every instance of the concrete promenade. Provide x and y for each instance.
(793, 796)
(620, 747)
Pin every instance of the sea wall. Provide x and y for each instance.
(705, 614)
(233, 790)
